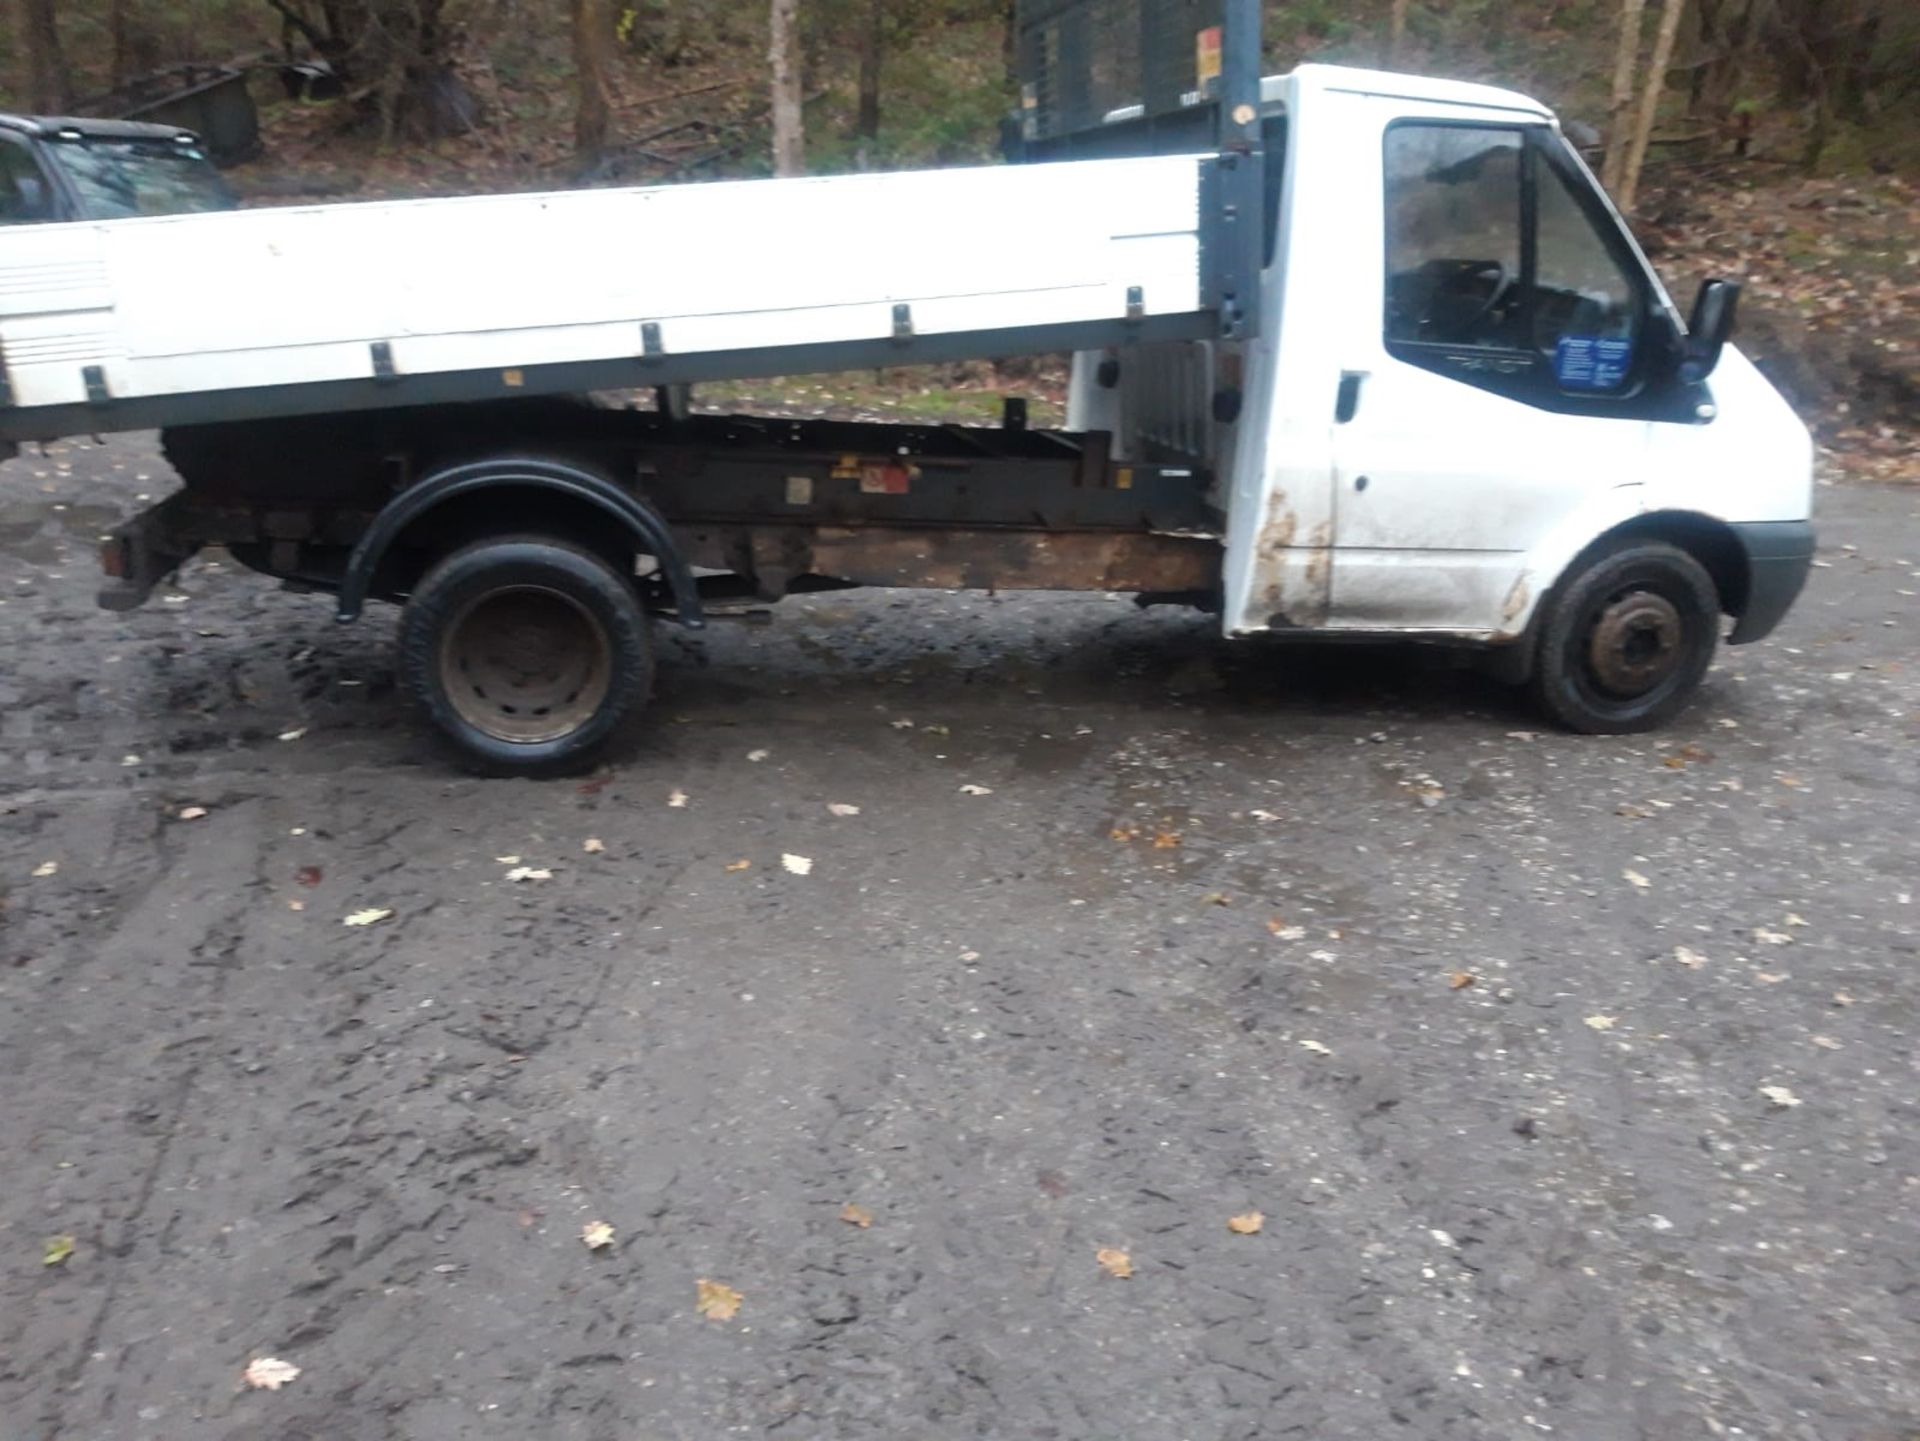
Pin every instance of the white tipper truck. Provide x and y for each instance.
(1356, 355)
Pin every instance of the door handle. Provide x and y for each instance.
(1347, 401)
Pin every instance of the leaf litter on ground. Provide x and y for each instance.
(715, 1301)
(1115, 1262)
(269, 1373)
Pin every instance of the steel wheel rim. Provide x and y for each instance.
(526, 664)
(1635, 644)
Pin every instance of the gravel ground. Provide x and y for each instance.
(1573, 1078)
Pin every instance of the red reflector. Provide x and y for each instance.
(113, 558)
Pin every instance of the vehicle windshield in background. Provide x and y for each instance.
(119, 178)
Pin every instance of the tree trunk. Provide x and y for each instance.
(783, 52)
(1619, 113)
(1396, 32)
(1650, 100)
(48, 83)
(592, 60)
(866, 123)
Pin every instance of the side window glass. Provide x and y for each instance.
(1586, 310)
(24, 197)
(1453, 217)
(1273, 145)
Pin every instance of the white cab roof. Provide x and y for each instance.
(1404, 87)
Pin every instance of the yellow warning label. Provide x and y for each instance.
(1206, 55)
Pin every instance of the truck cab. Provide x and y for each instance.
(1466, 385)
(58, 168)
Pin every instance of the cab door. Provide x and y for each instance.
(1504, 372)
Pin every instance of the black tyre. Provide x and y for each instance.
(1626, 639)
(526, 652)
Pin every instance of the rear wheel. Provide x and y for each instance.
(527, 653)
(1627, 639)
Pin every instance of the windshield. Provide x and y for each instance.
(118, 178)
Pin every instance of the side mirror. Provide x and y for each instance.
(1709, 328)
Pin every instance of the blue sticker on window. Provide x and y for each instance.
(1587, 362)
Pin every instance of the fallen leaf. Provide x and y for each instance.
(1687, 956)
(1771, 978)
(1771, 938)
(1128, 832)
(296, 905)
(1793, 920)
(1166, 840)
(1635, 879)
(841, 808)
(269, 1373)
(1602, 1023)
(192, 813)
(903, 724)
(758, 755)
(715, 1301)
(308, 875)
(1826, 1043)
(1285, 932)
(1791, 781)
(593, 845)
(46, 868)
(1780, 1097)
(1263, 815)
(1316, 1048)
(739, 865)
(677, 798)
(798, 865)
(1115, 1263)
(57, 1249)
(1216, 898)
(937, 730)
(1632, 811)
(294, 734)
(529, 873)
(1523, 735)
(1460, 980)
(855, 1215)
(1841, 998)
(596, 1235)
(373, 915)
(1246, 1225)
(508, 860)
(973, 790)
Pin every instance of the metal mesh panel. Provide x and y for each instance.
(1087, 63)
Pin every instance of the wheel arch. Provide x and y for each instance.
(1709, 540)
(574, 501)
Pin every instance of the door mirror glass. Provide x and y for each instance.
(1709, 328)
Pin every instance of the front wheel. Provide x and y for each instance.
(1626, 640)
(527, 653)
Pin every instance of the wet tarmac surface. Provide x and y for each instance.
(1574, 1078)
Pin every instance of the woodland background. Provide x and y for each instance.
(1781, 138)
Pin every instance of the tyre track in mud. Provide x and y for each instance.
(1009, 1035)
